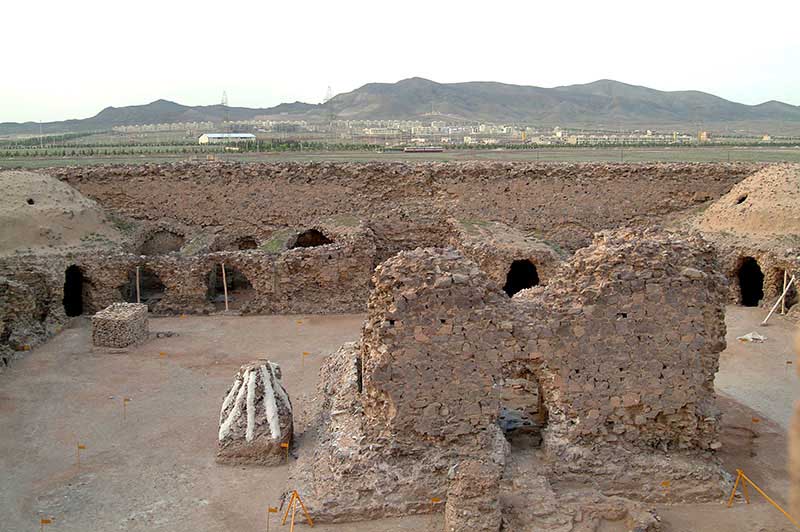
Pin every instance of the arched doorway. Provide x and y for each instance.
(751, 282)
(521, 275)
(151, 289)
(240, 291)
(311, 238)
(73, 291)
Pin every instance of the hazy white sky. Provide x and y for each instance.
(69, 59)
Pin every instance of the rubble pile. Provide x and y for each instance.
(256, 417)
(120, 325)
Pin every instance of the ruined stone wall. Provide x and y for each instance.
(431, 342)
(630, 343)
(407, 204)
(494, 246)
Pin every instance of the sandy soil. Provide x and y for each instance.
(46, 214)
(155, 470)
(764, 205)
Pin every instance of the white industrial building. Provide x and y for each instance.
(220, 138)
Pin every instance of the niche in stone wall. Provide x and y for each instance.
(521, 275)
(523, 414)
(161, 243)
(151, 289)
(245, 242)
(73, 291)
(751, 282)
(240, 290)
(309, 239)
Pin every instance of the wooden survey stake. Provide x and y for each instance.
(270, 510)
(138, 290)
(225, 286)
(285, 445)
(80, 447)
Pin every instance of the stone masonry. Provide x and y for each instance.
(120, 325)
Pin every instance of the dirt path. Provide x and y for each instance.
(155, 469)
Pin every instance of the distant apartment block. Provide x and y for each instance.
(222, 138)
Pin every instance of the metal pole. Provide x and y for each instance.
(138, 290)
(225, 286)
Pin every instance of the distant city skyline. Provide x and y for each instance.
(87, 55)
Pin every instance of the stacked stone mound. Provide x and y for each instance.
(120, 325)
(631, 340)
(256, 417)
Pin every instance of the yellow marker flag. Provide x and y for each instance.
(299, 321)
(435, 500)
(665, 484)
(272, 510)
(306, 353)
(755, 420)
(162, 354)
(81, 446)
(285, 445)
(45, 521)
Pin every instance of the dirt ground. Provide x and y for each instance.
(154, 468)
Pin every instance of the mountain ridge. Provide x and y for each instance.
(601, 104)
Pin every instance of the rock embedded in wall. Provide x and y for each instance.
(256, 417)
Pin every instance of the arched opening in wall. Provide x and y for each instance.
(751, 282)
(240, 291)
(246, 242)
(309, 239)
(73, 291)
(520, 276)
(161, 243)
(523, 414)
(151, 289)
(791, 297)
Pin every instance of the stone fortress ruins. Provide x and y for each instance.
(540, 342)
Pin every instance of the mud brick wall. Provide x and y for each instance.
(120, 325)
(430, 346)
(630, 343)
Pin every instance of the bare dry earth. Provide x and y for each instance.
(155, 470)
(39, 212)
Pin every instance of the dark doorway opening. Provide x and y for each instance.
(73, 291)
(751, 282)
(240, 291)
(246, 242)
(523, 414)
(521, 275)
(311, 238)
(151, 289)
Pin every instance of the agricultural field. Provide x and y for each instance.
(185, 152)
